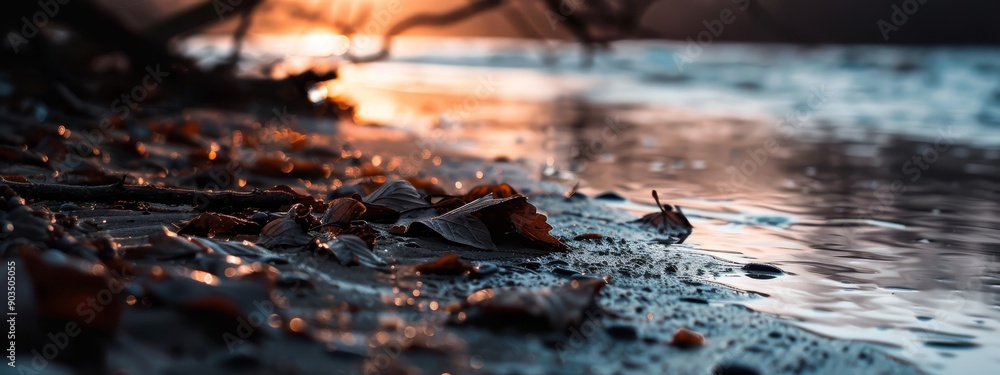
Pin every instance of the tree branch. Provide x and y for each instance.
(222, 201)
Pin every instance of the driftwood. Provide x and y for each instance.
(221, 201)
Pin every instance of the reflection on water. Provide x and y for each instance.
(871, 176)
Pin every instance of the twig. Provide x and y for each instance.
(221, 201)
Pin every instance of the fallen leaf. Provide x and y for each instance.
(525, 220)
(545, 309)
(460, 225)
(210, 224)
(670, 220)
(482, 222)
(343, 211)
(397, 195)
(389, 200)
(352, 251)
(288, 233)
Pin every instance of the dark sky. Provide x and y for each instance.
(802, 21)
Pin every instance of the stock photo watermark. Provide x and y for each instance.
(755, 159)
(898, 17)
(713, 29)
(912, 170)
(31, 25)
(56, 342)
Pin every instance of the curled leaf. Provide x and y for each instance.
(386, 203)
(352, 251)
(670, 220)
(342, 211)
(288, 233)
(461, 225)
(484, 221)
(525, 220)
(397, 195)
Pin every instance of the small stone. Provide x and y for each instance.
(762, 267)
(685, 338)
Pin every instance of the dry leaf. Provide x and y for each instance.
(342, 211)
(288, 233)
(670, 220)
(396, 195)
(352, 250)
(461, 225)
(482, 222)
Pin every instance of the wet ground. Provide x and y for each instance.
(143, 300)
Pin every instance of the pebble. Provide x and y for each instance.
(762, 267)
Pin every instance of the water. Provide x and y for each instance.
(870, 174)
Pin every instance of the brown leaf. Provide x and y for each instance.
(530, 224)
(460, 225)
(288, 233)
(210, 224)
(446, 265)
(351, 251)
(396, 195)
(343, 211)
(545, 309)
(502, 190)
(484, 221)
(670, 220)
